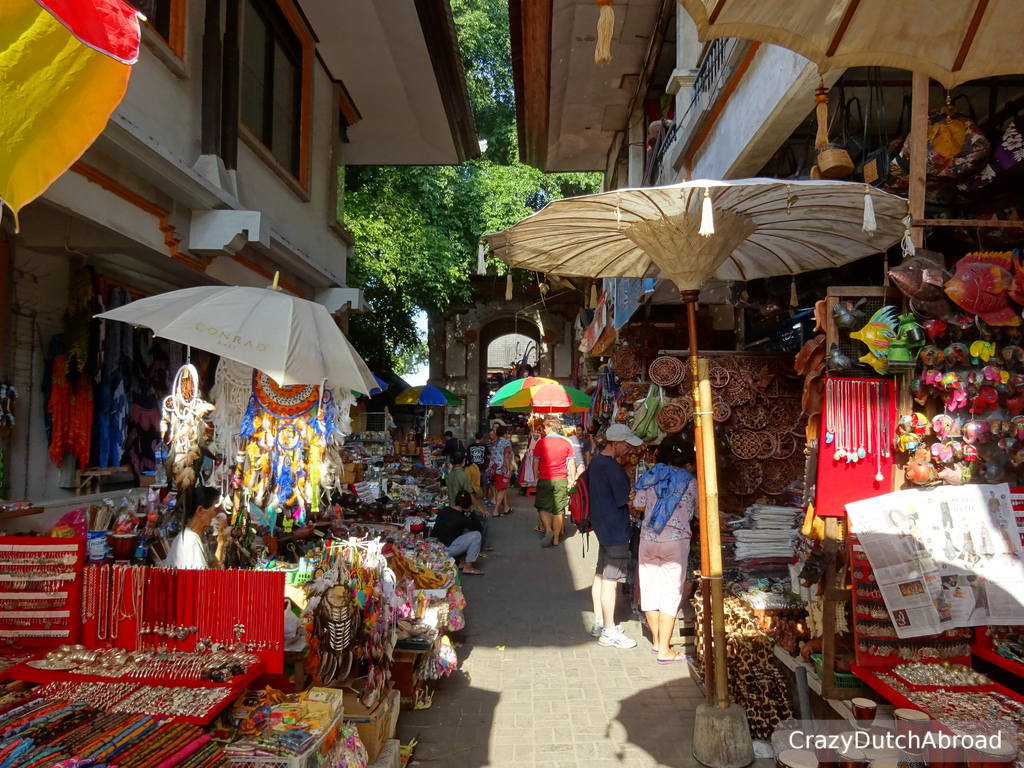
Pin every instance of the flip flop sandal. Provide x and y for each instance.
(676, 660)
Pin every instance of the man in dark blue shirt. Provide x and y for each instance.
(609, 514)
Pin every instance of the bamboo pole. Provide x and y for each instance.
(714, 533)
(690, 300)
(918, 140)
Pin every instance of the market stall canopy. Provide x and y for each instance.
(953, 41)
(292, 340)
(65, 69)
(427, 395)
(761, 228)
(535, 394)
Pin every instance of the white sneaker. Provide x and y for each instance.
(615, 637)
(596, 629)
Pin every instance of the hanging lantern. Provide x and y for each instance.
(605, 29)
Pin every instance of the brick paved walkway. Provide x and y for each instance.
(534, 688)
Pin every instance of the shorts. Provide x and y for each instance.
(485, 480)
(612, 562)
(552, 495)
(502, 482)
(662, 574)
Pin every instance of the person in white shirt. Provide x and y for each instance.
(188, 551)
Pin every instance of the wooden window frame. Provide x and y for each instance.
(174, 43)
(300, 184)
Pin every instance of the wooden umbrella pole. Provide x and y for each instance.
(714, 534)
(690, 299)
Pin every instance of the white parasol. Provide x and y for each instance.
(953, 41)
(292, 340)
(761, 228)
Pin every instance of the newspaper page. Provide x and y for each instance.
(944, 558)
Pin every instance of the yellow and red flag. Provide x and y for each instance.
(64, 68)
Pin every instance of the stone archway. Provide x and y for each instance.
(494, 330)
(458, 342)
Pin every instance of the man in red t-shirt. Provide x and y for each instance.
(554, 462)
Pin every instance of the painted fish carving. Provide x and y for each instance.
(921, 278)
(877, 335)
(982, 286)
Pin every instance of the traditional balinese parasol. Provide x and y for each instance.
(691, 233)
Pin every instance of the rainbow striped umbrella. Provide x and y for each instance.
(539, 395)
(65, 66)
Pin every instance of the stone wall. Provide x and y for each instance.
(458, 344)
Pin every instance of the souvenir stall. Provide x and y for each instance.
(917, 387)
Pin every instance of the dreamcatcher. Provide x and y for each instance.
(286, 432)
(184, 426)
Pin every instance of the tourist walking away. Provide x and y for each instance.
(608, 488)
(500, 470)
(478, 451)
(667, 493)
(188, 550)
(460, 532)
(554, 462)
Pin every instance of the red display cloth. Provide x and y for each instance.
(870, 677)
(840, 483)
(237, 685)
(212, 601)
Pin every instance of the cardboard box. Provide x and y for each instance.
(375, 726)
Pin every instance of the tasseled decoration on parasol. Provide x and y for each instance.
(593, 295)
(508, 285)
(908, 239)
(869, 225)
(794, 299)
(707, 216)
(605, 30)
(821, 113)
(481, 261)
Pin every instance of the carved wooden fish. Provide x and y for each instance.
(877, 335)
(982, 284)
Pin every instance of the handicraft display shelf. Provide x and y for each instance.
(40, 591)
(139, 608)
(983, 647)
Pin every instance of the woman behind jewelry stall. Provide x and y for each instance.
(667, 493)
(200, 506)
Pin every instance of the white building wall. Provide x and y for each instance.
(301, 224)
(771, 99)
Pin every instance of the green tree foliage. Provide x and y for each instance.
(417, 227)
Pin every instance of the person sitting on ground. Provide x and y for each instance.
(460, 532)
(459, 480)
(667, 493)
(554, 463)
(608, 487)
(188, 551)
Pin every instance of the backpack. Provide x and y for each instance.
(579, 507)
